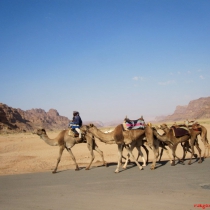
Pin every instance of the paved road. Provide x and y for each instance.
(167, 187)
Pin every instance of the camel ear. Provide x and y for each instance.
(91, 125)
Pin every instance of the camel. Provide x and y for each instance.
(125, 139)
(169, 138)
(203, 133)
(66, 141)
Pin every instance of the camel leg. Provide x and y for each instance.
(205, 142)
(161, 154)
(128, 156)
(120, 147)
(147, 153)
(101, 154)
(142, 156)
(155, 152)
(59, 159)
(125, 158)
(199, 151)
(206, 150)
(185, 148)
(208, 146)
(92, 156)
(131, 154)
(95, 147)
(192, 141)
(73, 158)
(167, 152)
(174, 154)
(126, 161)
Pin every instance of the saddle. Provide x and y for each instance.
(180, 131)
(73, 133)
(133, 124)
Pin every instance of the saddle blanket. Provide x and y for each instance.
(135, 124)
(179, 132)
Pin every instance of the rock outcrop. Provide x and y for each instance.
(196, 109)
(12, 119)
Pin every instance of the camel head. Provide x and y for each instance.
(84, 128)
(149, 124)
(39, 132)
(91, 127)
(126, 119)
(163, 126)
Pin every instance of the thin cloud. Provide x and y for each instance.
(169, 82)
(137, 78)
(201, 77)
(189, 81)
(189, 72)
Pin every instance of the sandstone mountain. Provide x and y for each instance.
(17, 120)
(196, 109)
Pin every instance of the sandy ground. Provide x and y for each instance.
(27, 153)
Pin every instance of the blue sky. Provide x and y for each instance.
(105, 58)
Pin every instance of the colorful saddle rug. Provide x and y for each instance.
(134, 124)
(179, 132)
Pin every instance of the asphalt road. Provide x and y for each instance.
(167, 187)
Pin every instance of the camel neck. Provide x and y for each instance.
(103, 136)
(51, 142)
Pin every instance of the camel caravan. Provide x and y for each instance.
(134, 134)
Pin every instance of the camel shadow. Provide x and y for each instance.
(159, 163)
(59, 171)
(194, 160)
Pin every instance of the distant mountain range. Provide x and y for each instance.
(196, 109)
(17, 120)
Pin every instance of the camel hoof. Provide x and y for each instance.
(195, 155)
(77, 169)
(189, 163)
(53, 172)
(87, 168)
(116, 171)
(199, 161)
(152, 168)
(173, 164)
(144, 165)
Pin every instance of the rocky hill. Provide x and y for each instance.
(196, 109)
(12, 119)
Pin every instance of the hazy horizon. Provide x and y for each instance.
(106, 59)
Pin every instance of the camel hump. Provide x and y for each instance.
(118, 134)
